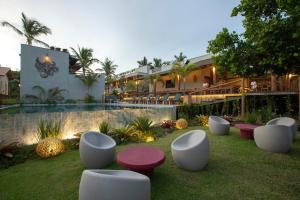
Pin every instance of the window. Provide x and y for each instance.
(170, 84)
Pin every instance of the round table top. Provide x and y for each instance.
(141, 157)
(246, 126)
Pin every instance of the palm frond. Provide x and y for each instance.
(5, 23)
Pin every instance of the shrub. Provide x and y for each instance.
(168, 124)
(265, 115)
(122, 135)
(181, 124)
(104, 127)
(89, 99)
(250, 118)
(48, 128)
(70, 101)
(143, 124)
(50, 147)
(202, 119)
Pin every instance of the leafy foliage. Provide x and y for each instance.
(51, 96)
(144, 62)
(168, 124)
(142, 124)
(89, 99)
(104, 127)
(48, 128)
(202, 119)
(180, 70)
(31, 29)
(122, 135)
(84, 58)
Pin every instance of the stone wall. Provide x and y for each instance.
(23, 126)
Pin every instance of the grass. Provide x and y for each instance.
(237, 169)
(10, 101)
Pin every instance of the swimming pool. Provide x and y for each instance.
(21, 125)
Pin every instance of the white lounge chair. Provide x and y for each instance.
(273, 138)
(97, 150)
(113, 185)
(286, 121)
(218, 125)
(190, 151)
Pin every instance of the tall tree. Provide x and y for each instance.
(180, 57)
(158, 63)
(84, 58)
(30, 29)
(144, 62)
(180, 71)
(109, 69)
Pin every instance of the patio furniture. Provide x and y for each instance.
(286, 121)
(165, 99)
(218, 125)
(273, 138)
(190, 151)
(177, 98)
(113, 185)
(148, 98)
(141, 159)
(246, 130)
(155, 100)
(97, 150)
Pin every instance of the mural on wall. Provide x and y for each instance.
(46, 67)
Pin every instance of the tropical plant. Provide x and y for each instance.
(265, 114)
(88, 80)
(143, 124)
(157, 63)
(109, 69)
(130, 86)
(104, 127)
(168, 124)
(251, 117)
(144, 62)
(180, 71)
(31, 29)
(154, 79)
(180, 57)
(48, 128)
(53, 95)
(121, 135)
(89, 99)
(202, 119)
(84, 58)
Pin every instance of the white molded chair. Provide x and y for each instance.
(286, 121)
(218, 125)
(113, 185)
(97, 150)
(273, 138)
(190, 151)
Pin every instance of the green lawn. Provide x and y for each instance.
(237, 169)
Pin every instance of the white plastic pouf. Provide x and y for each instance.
(190, 151)
(97, 150)
(273, 138)
(114, 185)
(286, 121)
(218, 125)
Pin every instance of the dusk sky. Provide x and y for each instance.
(122, 30)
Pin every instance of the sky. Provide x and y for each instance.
(122, 30)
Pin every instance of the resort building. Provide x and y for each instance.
(5, 76)
(203, 83)
(50, 68)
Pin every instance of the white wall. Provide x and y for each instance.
(30, 76)
(3, 85)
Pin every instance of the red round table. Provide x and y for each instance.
(141, 159)
(246, 130)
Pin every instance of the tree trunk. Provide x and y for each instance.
(154, 87)
(178, 83)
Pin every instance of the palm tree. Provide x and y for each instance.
(144, 62)
(88, 80)
(109, 69)
(53, 95)
(154, 78)
(84, 58)
(30, 29)
(180, 71)
(180, 57)
(157, 63)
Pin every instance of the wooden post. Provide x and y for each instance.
(273, 83)
(243, 100)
